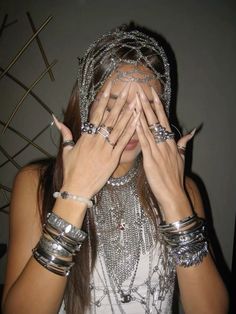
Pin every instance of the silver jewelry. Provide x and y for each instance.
(59, 242)
(160, 133)
(65, 228)
(131, 76)
(190, 255)
(125, 232)
(181, 149)
(50, 262)
(102, 130)
(99, 53)
(66, 195)
(68, 143)
(177, 225)
(53, 247)
(89, 128)
(187, 240)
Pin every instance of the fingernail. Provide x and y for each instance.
(136, 120)
(107, 90)
(57, 123)
(155, 96)
(141, 93)
(124, 92)
(132, 104)
(138, 103)
(193, 132)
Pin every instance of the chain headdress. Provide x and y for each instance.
(120, 47)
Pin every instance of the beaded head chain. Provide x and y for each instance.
(120, 47)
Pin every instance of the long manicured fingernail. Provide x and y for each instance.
(138, 103)
(107, 90)
(136, 119)
(141, 93)
(155, 96)
(192, 133)
(125, 91)
(132, 104)
(57, 123)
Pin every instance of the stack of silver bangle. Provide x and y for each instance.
(186, 239)
(59, 242)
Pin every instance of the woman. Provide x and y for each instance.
(123, 222)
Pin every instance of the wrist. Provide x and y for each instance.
(77, 190)
(71, 211)
(176, 208)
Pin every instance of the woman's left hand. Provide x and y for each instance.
(164, 161)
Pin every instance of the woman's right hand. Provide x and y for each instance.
(88, 165)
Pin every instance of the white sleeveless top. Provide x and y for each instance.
(152, 290)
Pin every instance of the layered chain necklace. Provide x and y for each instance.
(124, 232)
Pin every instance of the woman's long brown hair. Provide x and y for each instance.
(77, 293)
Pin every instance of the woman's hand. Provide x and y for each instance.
(163, 162)
(88, 165)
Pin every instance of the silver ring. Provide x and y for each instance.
(89, 128)
(68, 143)
(104, 131)
(154, 126)
(181, 149)
(160, 133)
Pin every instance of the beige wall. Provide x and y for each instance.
(202, 35)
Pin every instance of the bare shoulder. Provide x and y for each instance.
(28, 175)
(25, 189)
(195, 196)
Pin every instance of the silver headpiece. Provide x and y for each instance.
(115, 48)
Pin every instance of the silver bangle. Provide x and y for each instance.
(177, 225)
(189, 255)
(66, 195)
(71, 248)
(64, 227)
(53, 247)
(51, 263)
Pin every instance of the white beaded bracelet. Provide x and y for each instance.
(67, 195)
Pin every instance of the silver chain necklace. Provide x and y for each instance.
(124, 231)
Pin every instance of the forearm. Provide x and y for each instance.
(202, 289)
(37, 289)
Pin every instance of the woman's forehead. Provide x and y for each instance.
(134, 75)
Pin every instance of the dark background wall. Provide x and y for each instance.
(202, 35)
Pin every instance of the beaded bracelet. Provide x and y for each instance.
(66, 195)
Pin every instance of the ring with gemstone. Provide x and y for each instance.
(89, 128)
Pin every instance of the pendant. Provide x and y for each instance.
(125, 298)
(122, 225)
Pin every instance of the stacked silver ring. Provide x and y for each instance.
(160, 133)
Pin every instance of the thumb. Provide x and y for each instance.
(64, 130)
(182, 142)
